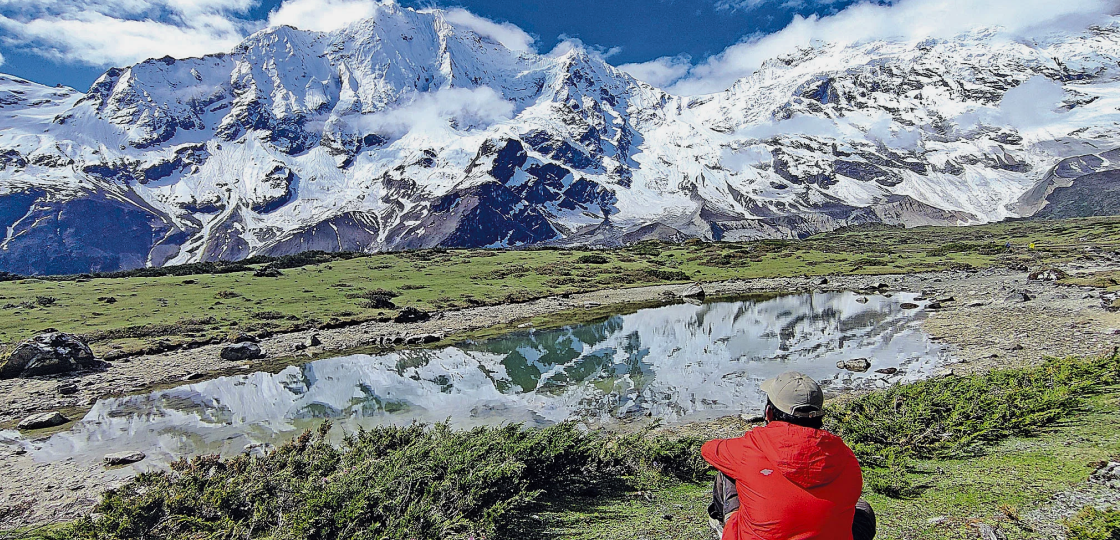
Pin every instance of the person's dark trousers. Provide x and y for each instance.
(725, 499)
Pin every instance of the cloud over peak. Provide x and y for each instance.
(906, 20)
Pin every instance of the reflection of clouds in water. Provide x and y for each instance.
(675, 362)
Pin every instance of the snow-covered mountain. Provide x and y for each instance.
(406, 131)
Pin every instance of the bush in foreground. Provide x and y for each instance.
(391, 482)
(955, 417)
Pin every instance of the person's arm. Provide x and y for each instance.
(719, 453)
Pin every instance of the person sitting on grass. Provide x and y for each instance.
(789, 479)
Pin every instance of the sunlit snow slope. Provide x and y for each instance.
(404, 131)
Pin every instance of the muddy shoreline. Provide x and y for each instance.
(982, 328)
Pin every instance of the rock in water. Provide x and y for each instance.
(861, 300)
(241, 351)
(694, 291)
(43, 420)
(858, 365)
(908, 305)
(887, 371)
(124, 458)
(411, 315)
(48, 353)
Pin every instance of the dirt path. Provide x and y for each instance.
(981, 326)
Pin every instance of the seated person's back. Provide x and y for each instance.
(793, 480)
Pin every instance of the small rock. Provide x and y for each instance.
(591, 304)
(938, 520)
(241, 351)
(1049, 274)
(314, 341)
(908, 305)
(411, 315)
(823, 281)
(987, 532)
(299, 346)
(1016, 347)
(124, 458)
(693, 291)
(861, 300)
(945, 300)
(43, 420)
(194, 376)
(67, 389)
(882, 286)
(976, 304)
(1019, 296)
(934, 305)
(858, 365)
(887, 371)
(240, 337)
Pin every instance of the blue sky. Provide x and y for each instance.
(685, 46)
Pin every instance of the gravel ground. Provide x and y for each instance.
(982, 328)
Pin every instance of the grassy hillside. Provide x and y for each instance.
(146, 311)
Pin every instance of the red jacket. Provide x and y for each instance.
(794, 483)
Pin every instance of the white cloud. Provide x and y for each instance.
(105, 32)
(507, 34)
(660, 72)
(910, 20)
(1032, 104)
(323, 15)
(447, 109)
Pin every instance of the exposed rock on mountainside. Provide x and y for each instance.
(404, 131)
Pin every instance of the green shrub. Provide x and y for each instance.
(592, 258)
(955, 416)
(1093, 524)
(390, 482)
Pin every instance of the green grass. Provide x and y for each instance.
(138, 313)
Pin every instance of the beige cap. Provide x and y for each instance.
(795, 393)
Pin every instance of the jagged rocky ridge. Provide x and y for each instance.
(404, 131)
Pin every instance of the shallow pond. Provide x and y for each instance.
(678, 363)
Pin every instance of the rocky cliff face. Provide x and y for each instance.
(404, 131)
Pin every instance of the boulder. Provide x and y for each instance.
(43, 420)
(887, 371)
(861, 300)
(694, 291)
(1047, 274)
(49, 353)
(858, 365)
(411, 315)
(1019, 296)
(313, 340)
(124, 458)
(908, 305)
(241, 351)
(67, 389)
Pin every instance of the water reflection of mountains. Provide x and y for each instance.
(680, 361)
